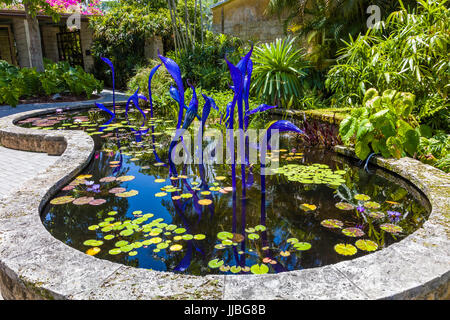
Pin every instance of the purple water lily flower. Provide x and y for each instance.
(360, 209)
(89, 183)
(394, 216)
(95, 188)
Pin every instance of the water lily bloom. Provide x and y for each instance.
(394, 216)
(95, 188)
(89, 183)
(360, 209)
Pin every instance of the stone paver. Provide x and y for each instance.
(19, 166)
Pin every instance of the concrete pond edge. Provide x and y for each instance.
(35, 265)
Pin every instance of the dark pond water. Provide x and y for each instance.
(196, 224)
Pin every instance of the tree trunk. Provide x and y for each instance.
(34, 41)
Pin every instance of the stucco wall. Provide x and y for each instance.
(86, 43)
(246, 20)
(50, 47)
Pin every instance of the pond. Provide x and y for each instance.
(319, 208)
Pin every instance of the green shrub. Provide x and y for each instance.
(408, 52)
(385, 125)
(205, 66)
(59, 77)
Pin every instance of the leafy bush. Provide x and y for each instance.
(279, 68)
(407, 52)
(435, 150)
(59, 77)
(205, 66)
(385, 125)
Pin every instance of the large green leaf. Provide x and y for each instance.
(411, 143)
(362, 150)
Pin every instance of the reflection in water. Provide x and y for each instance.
(263, 214)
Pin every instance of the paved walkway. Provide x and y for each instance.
(106, 96)
(20, 166)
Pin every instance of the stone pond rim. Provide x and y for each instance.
(35, 265)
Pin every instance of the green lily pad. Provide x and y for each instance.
(366, 245)
(259, 269)
(391, 228)
(302, 246)
(235, 269)
(332, 223)
(121, 243)
(93, 243)
(260, 228)
(126, 232)
(179, 230)
(115, 251)
(224, 235)
(253, 236)
(344, 206)
(215, 263)
(372, 205)
(199, 236)
(362, 197)
(292, 240)
(345, 249)
(353, 232)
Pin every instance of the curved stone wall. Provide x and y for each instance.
(34, 265)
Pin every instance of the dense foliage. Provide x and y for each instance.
(59, 77)
(408, 52)
(120, 35)
(205, 65)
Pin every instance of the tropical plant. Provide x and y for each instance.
(58, 77)
(384, 125)
(279, 68)
(407, 52)
(435, 150)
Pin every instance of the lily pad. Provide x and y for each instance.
(107, 179)
(115, 251)
(199, 236)
(366, 245)
(253, 236)
(176, 247)
(391, 228)
(97, 202)
(344, 206)
(62, 200)
(204, 202)
(160, 194)
(332, 223)
(362, 197)
(93, 251)
(345, 249)
(235, 269)
(371, 205)
(302, 246)
(308, 207)
(260, 227)
(259, 269)
(125, 178)
(353, 232)
(117, 190)
(93, 243)
(376, 215)
(224, 235)
(127, 194)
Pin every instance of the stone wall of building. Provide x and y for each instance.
(86, 35)
(246, 19)
(50, 46)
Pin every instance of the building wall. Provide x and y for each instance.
(245, 19)
(86, 43)
(50, 47)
